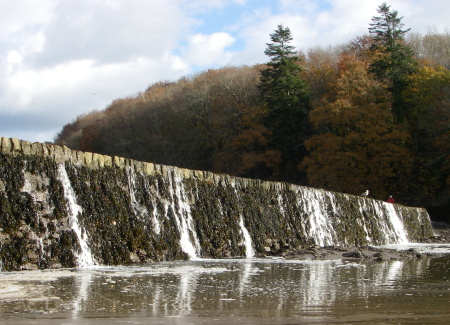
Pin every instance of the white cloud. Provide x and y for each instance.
(23, 16)
(56, 54)
(94, 29)
(207, 50)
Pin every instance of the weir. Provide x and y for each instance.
(65, 208)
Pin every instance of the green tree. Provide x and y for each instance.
(286, 97)
(393, 61)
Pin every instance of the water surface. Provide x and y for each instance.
(235, 291)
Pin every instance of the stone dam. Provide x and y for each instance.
(61, 208)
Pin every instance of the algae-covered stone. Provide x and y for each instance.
(36, 149)
(139, 223)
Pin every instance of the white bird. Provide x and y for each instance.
(366, 193)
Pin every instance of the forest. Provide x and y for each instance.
(372, 114)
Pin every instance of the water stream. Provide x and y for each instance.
(84, 256)
(233, 291)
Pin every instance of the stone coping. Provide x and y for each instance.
(14, 146)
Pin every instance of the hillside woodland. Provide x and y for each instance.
(370, 114)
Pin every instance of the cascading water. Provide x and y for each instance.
(85, 258)
(320, 229)
(391, 227)
(249, 251)
(143, 212)
(139, 210)
(182, 211)
(397, 224)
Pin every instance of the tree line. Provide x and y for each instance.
(370, 114)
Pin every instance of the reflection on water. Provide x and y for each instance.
(257, 289)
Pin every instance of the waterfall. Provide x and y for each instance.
(165, 213)
(249, 252)
(388, 220)
(138, 210)
(84, 257)
(312, 202)
(397, 224)
(155, 220)
(182, 211)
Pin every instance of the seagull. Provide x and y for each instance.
(366, 193)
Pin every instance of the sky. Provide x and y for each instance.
(63, 58)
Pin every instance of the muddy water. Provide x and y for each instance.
(246, 291)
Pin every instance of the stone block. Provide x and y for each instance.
(97, 161)
(36, 149)
(165, 170)
(15, 145)
(87, 159)
(80, 158)
(5, 145)
(107, 161)
(198, 174)
(187, 173)
(58, 154)
(26, 148)
(138, 166)
(149, 168)
(50, 150)
(67, 152)
(75, 157)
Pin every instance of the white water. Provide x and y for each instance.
(139, 211)
(397, 224)
(249, 252)
(155, 220)
(182, 210)
(312, 202)
(85, 257)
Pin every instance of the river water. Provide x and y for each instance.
(233, 291)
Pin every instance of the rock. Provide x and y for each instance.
(134, 258)
(353, 254)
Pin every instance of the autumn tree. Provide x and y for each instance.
(428, 96)
(358, 146)
(285, 95)
(433, 47)
(393, 61)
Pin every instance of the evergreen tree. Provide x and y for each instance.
(393, 60)
(287, 100)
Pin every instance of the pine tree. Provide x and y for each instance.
(287, 100)
(393, 61)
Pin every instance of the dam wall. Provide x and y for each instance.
(64, 208)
